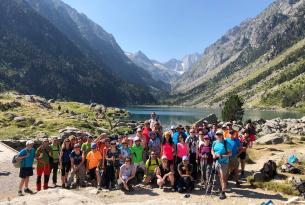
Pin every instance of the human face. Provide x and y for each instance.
(206, 141)
(153, 155)
(113, 145)
(90, 139)
(29, 146)
(138, 142)
(127, 162)
(192, 132)
(201, 135)
(124, 144)
(181, 139)
(219, 137)
(185, 161)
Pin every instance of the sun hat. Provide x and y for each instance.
(219, 132)
(184, 158)
(163, 157)
(29, 142)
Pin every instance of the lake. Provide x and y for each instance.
(186, 116)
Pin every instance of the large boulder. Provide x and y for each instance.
(19, 119)
(212, 118)
(275, 138)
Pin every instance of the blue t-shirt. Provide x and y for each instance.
(176, 135)
(28, 161)
(76, 157)
(219, 149)
(235, 144)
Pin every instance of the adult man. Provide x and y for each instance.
(233, 161)
(221, 151)
(151, 164)
(26, 156)
(94, 160)
(153, 120)
(185, 181)
(179, 131)
(227, 134)
(192, 143)
(77, 159)
(146, 130)
(212, 133)
(137, 153)
(54, 160)
(43, 155)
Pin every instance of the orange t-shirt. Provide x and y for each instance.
(100, 147)
(93, 159)
(226, 134)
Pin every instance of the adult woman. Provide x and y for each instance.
(167, 148)
(182, 149)
(206, 159)
(77, 159)
(165, 173)
(127, 175)
(154, 143)
(112, 165)
(64, 161)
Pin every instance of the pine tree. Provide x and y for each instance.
(233, 109)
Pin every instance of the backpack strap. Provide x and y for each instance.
(225, 145)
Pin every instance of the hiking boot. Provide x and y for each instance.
(187, 195)
(173, 189)
(222, 195)
(28, 191)
(20, 193)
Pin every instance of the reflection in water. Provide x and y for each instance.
(185, 116)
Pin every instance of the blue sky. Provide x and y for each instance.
(165, 29)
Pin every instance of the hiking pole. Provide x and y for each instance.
(214, 178)
(210, 178)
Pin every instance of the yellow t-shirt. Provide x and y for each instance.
(93, 159)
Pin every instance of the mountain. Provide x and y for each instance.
(184, 64)
(155, 68)
(262, 60)
(93, 41)
(37, 58)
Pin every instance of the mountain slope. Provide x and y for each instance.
(36, 58)
(246, 57)
(93, 41)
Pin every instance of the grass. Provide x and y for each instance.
(282, 187)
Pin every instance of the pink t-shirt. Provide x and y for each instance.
(182, 150)
(168, 151)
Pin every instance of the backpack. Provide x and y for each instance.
(290, 169)
(16, 162)
(269, 169)
(292, 159)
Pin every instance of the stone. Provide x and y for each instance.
(212, 118)
(19, 119)
(296, 200)
(259, 177)
(275, 138)
(10, 116)
(266, 130)
(51, 101)
(37, 123)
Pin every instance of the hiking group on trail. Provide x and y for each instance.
(204, 155)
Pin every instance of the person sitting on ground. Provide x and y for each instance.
(221, 151)
(178, 132)
(206, 160)
(182, 149)
(26, 157)
(154, 144)
(185, 182)
(94, 164)
(64, 161)
(77, 159)
(192, 143)
(127, 175)
(43, 154)
(151, 164)
(168, 149)
(165, 174)
(229, 129)
(111, 172)
(233, 160)
(54, 160)
(244, 139)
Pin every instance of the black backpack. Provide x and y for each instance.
(269, 169)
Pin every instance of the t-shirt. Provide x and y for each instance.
(168, 151)
(101, 147)
(192, 143)
(55, 152)
(185, 169)
(76, 157)
(145, 133)
(93, 159)
(211, 135)
(219, 149)
(66, 156)
(235, 144)
(205, 153)
(154, 163)
(154, 145)
(86, 148)
(182, 150)
(125, 152)
(226, 134)
(43, 154)
(116, 155)
(176, 135)
(28, 161)
(126, 171)
(137, 153)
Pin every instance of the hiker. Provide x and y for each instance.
(173, 130)
(54, 160)
(192, 143)
(251, 129)
(86, 148)
(201, 136)
(233, 160)
(165, 173)
(182, 149)
(125, 151)
(212, 132)
(187, 130)
(158, 130)
(206, 126)
(227, 134)
(64, 161)
(137, 153)
(244, 139)
(151, 164)
(111, 172)
(178, 132)
(127, 175)
(94, 164)
(168, 149)
(206, 160)
(26, 157)
(221, 152)
(185, 182)
(146, 130)
(73, 140)
(77, 159)
(153, 120)
(43, 154)
(142, 138)
(154, 143)
(119, 142)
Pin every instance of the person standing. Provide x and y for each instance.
(154, 144)
(64, 161)
(153, 120)
(43, 155)
(182, 150)
(233, 161)
(77, 159)
(168, 149)
(192, 142)
(94, 164)
(26, 156)
(179, 131)
(212, 133)
(54, 160)
(206, 160)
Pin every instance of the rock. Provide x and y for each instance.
(92, 105)
(296, 200)
(41, 135)
(10, 116)
(266, 130)
(51, 101)
(37, 123)
(259, 177)
(101, 130)
(212, 118)
(30, 98)
(19, 119)
(72, 113)
(275, 138)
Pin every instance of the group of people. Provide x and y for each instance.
(176, 159)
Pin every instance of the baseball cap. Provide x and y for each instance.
(206, 137)
(139, 130)
(173, 127)
(137, 139)
(219, 132)
(93, 146)
(29, 142)
(184, 158)
(163, 157)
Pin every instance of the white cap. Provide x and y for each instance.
(173, 127)
(163, 157)
(136, 138)
(139, 129)
(29, 142)
(219, 132)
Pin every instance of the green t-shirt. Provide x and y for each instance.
(153, 165)
(55, 152)
(44, 159)
(86, 148)
(137, 153)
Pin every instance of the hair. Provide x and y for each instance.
(181, 136)
(63, 146)
(170, 139)
(127, 158)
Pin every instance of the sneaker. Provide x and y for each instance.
(222, 195)
(20, 193)
(29, 191)
(173, 189)
(187, 195)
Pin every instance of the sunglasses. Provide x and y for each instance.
(112, 144)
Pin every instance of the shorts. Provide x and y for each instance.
(233, 163)
(243, 155)
(25, 172)
(92, 173)
(65, 168)
(152, 175)
(222, 168)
